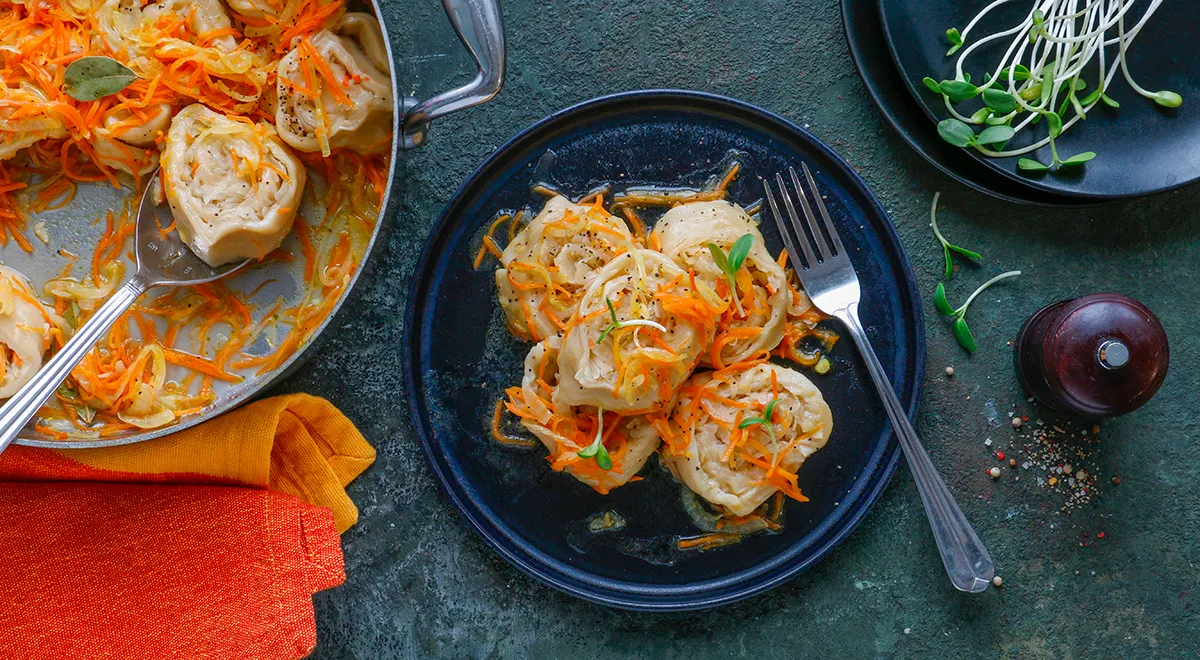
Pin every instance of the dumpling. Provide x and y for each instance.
(28, 127)
(566, 430)
(233, 186)
(549, 263)
(738, 469)
(25, 330)
(665, 322)
(364, 29)
(138, 129)
(756, 322)
(331, 96)
(122, 24)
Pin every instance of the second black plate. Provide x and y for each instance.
(1141, 147)
(868, 49)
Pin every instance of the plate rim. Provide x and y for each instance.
(888, 115)
(1011, 175)
(631, 599)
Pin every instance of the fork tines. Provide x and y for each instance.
(817, 240)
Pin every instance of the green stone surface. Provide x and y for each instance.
(420, 584)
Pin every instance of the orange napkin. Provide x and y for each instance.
(207, 543)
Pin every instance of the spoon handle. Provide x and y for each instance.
(18, 410)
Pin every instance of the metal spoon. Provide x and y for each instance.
(162, 260)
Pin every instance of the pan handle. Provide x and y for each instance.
(480, 28)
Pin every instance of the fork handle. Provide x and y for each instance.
(18, 410)
(966, 560)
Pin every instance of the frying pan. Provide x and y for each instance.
(70, 229)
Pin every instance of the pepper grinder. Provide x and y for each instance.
(1101, 355)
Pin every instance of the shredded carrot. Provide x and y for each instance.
(708, 541)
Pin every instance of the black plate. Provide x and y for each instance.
(459, 358)
(1141, 147)
(868, 49)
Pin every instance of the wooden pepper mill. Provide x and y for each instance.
(1101, 355)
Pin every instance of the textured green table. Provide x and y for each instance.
(421, 584)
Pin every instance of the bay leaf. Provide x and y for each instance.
(94, 77)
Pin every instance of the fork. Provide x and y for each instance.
(829, 278)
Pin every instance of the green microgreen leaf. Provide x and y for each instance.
(611, 326)
(725, 263)
(961, 331)
(1079, 159)
(751, 421)
(597, 450)
(765, 420)
(964, 251)
(939, 300)
(1167, 99)
(981, 115)
(718, 256)
(1078, 84)
(94, 77)
(963, 334)
(958, 90)
(1039, 19)
(1019, 72)
(947, 246)
(1092, 97)
(1031, 92)
(1079, 109)
(1047, 91)
(955, 39)
(769, 411)
(956, 132)
(1030, 165)
(1055, 123)
(1000, 101)
(737, 253)
(932, 85)
(994, 134)
(1107, 100)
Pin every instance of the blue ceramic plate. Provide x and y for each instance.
(459, 358)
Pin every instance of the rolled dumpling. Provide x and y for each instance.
(755, 322)
(638, 333)
(233, 186)
(364, 29)
(20, 128)
(548, 265)
(25, 330)
(139, 127)
(735, 468)
(331, 96)
(567, 430)
(129, 28)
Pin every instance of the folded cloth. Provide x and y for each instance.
(206, 543)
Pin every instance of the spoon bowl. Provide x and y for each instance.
(163, 259)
